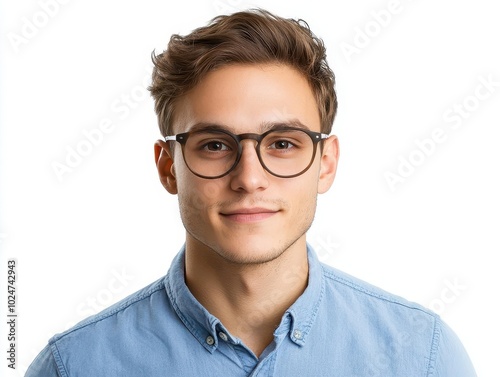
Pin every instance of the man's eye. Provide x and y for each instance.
(215, 146)
(281, 144)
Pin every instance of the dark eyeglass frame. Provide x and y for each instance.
(182, 138)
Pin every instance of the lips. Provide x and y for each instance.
(243, 215)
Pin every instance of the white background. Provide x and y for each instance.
(109, 216)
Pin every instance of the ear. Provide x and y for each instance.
(165, 166)
(328, 167)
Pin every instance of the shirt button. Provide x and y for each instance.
(210, 341)
(297, 334)
(223, 336)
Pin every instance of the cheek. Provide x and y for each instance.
(192, 206)
(309, 188)
(197, 195)
(302, 196)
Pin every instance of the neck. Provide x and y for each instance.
(249, 299)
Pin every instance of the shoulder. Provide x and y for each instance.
(111, 329)
(408, 329)
(126, 309)
(377, 312)
(115, 333)
(345, 285)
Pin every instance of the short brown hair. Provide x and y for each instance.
(249, 37)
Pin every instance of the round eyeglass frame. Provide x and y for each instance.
(182, 138)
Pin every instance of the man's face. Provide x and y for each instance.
(249, 215)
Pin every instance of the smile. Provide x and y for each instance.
(248, 215)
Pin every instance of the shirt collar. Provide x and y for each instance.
(296, 322)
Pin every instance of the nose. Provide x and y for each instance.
(249, 175)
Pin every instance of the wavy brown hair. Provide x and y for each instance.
(250, 37)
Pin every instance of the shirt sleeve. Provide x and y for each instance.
(44, 365)
(451, 358)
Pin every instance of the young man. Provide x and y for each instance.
(246, 106)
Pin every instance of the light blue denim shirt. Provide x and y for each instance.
(340, 326)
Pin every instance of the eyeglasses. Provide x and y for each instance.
(212, 153)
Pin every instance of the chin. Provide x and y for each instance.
(252, 250)
(249, 257)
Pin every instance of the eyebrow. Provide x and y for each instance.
(263, 127)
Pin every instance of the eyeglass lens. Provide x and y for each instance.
(282, 152)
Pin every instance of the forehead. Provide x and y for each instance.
(248, 98)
